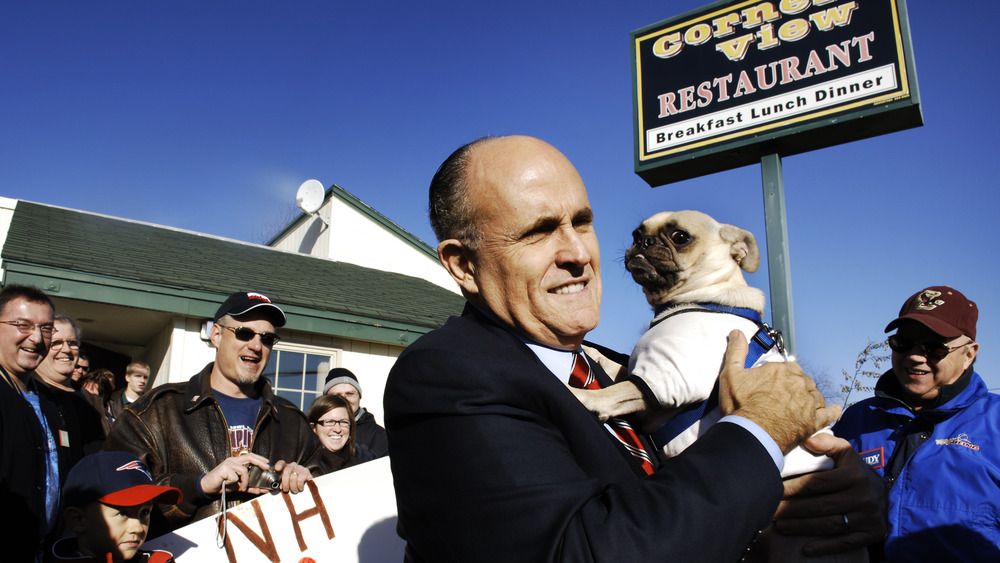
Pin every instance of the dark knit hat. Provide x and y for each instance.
(341, 375)
(942, 309)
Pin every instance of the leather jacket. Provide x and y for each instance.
(179, 432)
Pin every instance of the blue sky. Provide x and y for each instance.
(208, 115)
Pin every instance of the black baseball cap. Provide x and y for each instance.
(243, 302)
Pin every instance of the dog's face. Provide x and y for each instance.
(675, 253)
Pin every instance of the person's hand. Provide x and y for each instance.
(293, 476)
(847, 504)
(232, 474)
(777, 396)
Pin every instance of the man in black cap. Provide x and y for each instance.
(931, 432)
(209, 436)
(343, 382)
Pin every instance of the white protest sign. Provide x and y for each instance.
(347, 516)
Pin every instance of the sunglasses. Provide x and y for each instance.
(936, 351)
(244, 334)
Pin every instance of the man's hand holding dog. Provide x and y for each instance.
(777, 396)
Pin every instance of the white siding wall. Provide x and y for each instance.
(354, 238)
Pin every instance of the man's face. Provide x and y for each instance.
(118, 530)
(60, 362)
(922, 377)
(137, 380)
(538, 266)
(82, 367)
(240, 362)
(19, 352)
(347, 391)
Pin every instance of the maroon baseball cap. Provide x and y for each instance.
(942, 309)
(115, 478)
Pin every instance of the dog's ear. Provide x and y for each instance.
(742, 247)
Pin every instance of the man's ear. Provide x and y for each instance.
(970, 354)
(457, 261)
(215, 334)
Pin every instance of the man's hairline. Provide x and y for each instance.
(51, 307)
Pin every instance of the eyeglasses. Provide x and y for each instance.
(73, 344)
(936, 351)
(28, 327)
(332, 423)
(245, 334)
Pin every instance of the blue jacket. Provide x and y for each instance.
(941, 465)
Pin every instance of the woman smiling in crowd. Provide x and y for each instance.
(331, 419)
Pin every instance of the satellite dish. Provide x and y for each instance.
(309, 198)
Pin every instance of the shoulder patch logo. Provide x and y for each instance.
(960, 440)
(928, 300)
(875, 458)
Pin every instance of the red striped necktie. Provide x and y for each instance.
(583, 378)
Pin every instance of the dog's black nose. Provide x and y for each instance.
(648, 241)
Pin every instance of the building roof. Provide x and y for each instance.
(149, 266)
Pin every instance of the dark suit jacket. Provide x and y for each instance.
(493, 459)
(22, 467)
(82, 423)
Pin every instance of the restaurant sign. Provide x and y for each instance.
(724, 85)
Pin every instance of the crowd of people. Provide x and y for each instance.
(67, 436)
(520, 470)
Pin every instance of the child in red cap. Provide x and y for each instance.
(107, 501)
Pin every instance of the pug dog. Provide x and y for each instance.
(684, 260)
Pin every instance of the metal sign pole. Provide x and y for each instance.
(776, 227)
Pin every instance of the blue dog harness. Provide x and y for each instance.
(763, 340)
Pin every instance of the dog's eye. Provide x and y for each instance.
(680, 237)
(636, 237)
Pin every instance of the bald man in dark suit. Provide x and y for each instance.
(493, 458)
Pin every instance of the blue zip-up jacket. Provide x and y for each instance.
(941, 466)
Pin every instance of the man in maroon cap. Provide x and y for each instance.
(932, 432)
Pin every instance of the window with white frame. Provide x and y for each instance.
(297, 372)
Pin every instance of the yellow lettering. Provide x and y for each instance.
(792, 7)
(767, 38)
(837, 16)
(793, 30)
(759, 15)
(668, 45)
(698, 34)
(724, 24)
(735, 49)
